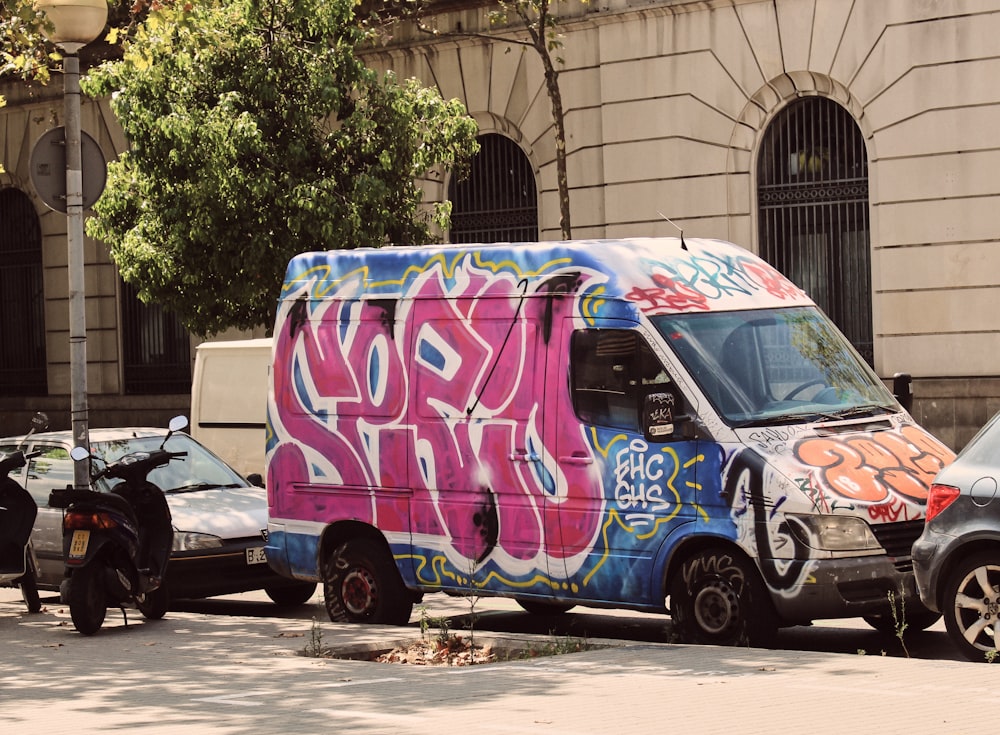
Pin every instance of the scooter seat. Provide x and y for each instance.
(67, 496)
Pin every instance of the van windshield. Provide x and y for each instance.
(774, 366)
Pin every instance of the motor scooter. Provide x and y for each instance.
(17, 517)
(117, 544)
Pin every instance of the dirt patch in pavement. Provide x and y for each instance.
(451, 650)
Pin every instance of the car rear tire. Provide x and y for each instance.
(971, 606)
(291, 595)
(718, 598)
(916, 620)
(362, 585)
(88, 602)
(155, 604)
(536, 607)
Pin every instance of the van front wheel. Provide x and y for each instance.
(717, 598)
(362, 585)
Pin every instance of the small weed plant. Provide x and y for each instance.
(899, 618)
(314, 648)
(560, 645)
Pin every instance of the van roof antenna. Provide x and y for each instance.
(683, 244)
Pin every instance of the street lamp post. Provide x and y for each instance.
(75, 24)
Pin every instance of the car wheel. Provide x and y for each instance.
(717, 597)
(917, 618)
(362, 585)
(87, 600)
(291, 595)
(155, 604)
(971, 606)
(535, 607)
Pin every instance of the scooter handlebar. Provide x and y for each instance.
(15, 461)
(139, 463)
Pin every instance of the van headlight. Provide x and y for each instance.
(833, 533)
(191, 541)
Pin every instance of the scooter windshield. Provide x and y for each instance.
(775, 366)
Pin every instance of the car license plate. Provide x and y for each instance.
(78, 544)
(255, 555)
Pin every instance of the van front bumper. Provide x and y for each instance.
(848, 588)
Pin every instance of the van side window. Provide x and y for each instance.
(609, 369)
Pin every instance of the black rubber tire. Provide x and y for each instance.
(362, 585)
(29, 589)
(537, 607)
(717, 597)
(916, 619)
(156, 603)
(971, 606)
(87, 599)
(291, 595)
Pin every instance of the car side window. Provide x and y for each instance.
(612, 370)
(51, 469)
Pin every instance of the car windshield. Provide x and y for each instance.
(774, 366)
(199, 470)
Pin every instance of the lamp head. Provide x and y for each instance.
(75, 22)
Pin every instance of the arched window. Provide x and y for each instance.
(22, 298)
(812, 179)
(156, 349)
(498, 200)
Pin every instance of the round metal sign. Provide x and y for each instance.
(48, 168)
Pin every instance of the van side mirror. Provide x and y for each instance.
(660, 420)
(902, 390)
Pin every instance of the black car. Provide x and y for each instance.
(956, 561)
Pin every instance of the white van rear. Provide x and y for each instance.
(229, 401)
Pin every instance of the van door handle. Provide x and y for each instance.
(577, 459)
(524, 457)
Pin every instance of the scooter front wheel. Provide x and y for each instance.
(29, 589)
(87, 600)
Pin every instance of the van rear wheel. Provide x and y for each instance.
(361, 584)
(718, 598)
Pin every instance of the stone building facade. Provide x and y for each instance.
(853, 143)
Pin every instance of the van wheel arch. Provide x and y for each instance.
(361, 583)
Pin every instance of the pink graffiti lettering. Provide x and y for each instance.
(383, 401)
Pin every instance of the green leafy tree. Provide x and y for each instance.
(24, 52)
(256, 133)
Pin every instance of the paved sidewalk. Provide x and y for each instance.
(193, 673)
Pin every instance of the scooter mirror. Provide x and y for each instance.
(177, 423)
(79, 453)
(39, 422)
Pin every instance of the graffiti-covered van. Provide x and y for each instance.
(654, 424)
